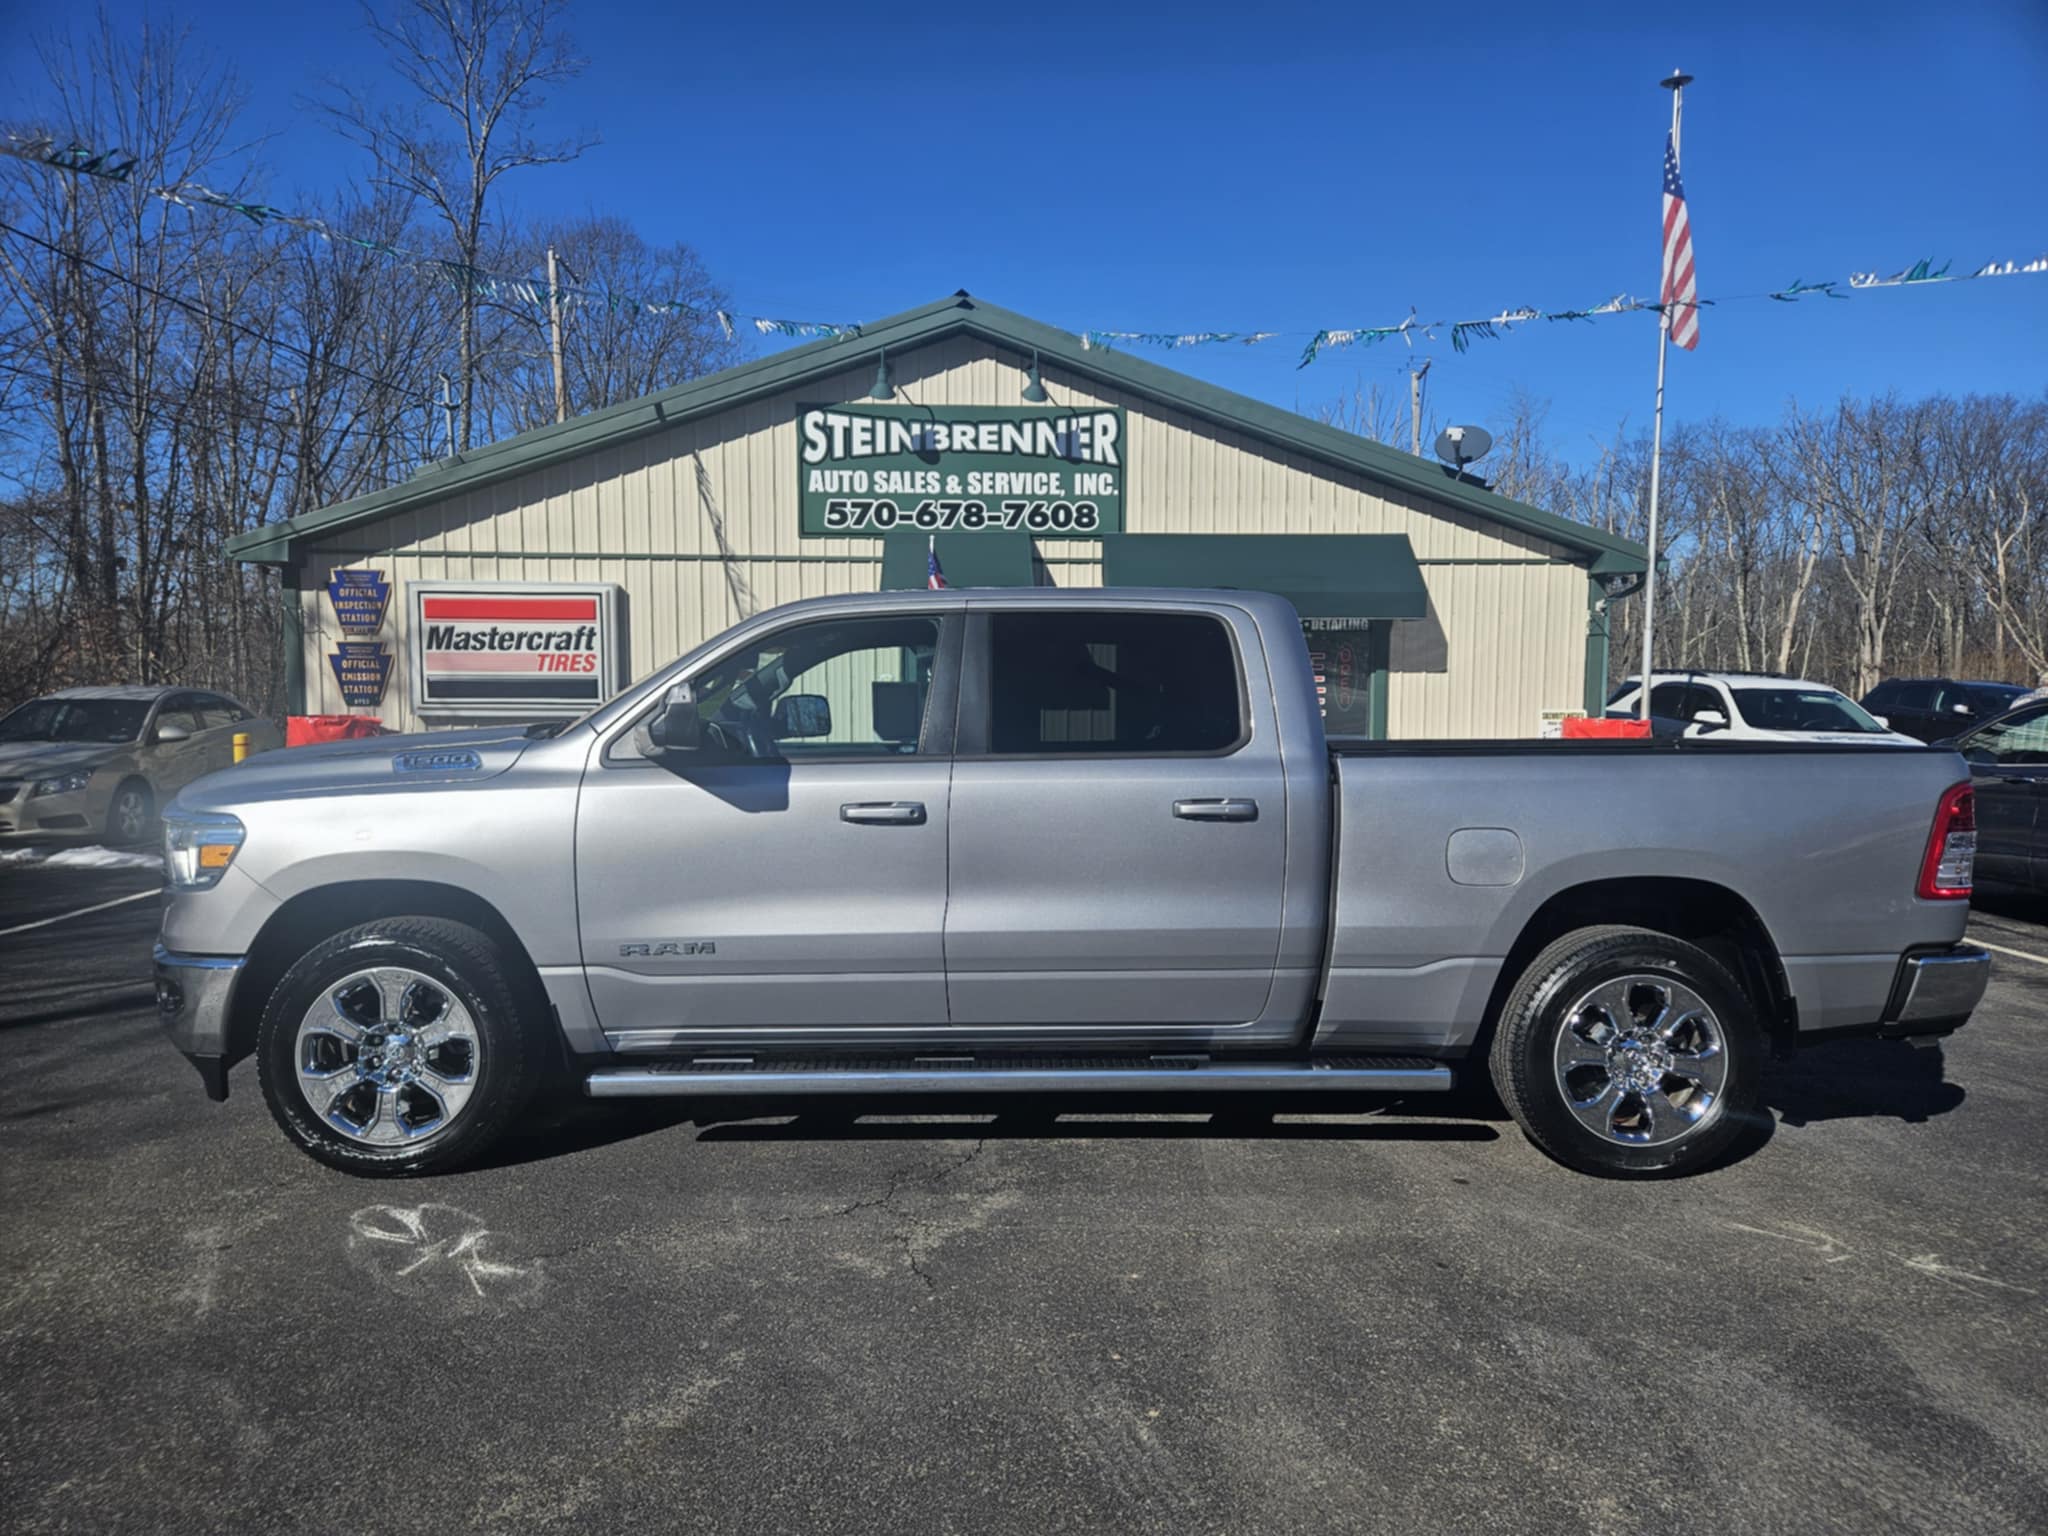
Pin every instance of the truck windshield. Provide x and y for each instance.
(97, 720)
(1803, 709)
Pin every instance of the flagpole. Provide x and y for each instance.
(1675, 84)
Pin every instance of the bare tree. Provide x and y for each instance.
(478, 73)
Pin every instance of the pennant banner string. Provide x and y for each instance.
(118, 166)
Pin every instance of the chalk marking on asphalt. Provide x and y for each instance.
(1833, 1249)
(1930, 1264)
(118, 901)
(2017, 954)
(408, 1228)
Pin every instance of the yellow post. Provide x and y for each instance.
(241, 745)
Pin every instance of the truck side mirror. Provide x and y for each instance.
(800, 715)
(674, 727)
(1710, 720)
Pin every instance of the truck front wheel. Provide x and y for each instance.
(1628, 1053)
(398, 1047)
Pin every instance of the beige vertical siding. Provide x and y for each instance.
(698, 525)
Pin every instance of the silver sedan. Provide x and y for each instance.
(100, 762)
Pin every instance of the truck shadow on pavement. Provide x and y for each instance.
(1860, 1079)
(569, 1127)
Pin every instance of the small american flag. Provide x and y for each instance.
(934, 575)
(1680, 292)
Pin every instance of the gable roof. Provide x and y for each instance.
(960, 315)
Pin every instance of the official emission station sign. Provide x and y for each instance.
(1041, 470)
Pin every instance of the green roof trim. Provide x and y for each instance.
(1325, 575)
(967, 559)
(960, 315)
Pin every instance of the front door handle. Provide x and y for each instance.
(893, 813)
(1216, 810)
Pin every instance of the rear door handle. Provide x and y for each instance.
(895, 813)
(1216, 810)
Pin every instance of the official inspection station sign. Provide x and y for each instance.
(359, 598)
(1042, 470)
(514, 649)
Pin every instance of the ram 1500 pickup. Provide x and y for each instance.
(1058, 842)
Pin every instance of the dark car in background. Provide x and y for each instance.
(1936, 708)
(2008, 760)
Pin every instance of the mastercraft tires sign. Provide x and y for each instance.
(514, 649)
(1042, 470)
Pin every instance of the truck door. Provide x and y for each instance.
(2009, 769)
(792, 873)
(1119, 822)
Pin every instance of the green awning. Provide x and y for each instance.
(1325, 575)
(968, 559)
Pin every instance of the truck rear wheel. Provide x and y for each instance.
(1628, 1053)
(398, 1047)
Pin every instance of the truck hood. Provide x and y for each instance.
(416, 762)
(44, 759)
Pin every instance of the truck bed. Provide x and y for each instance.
(1447, 852)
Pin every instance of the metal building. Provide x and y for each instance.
(538, 574)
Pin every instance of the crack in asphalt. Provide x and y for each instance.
(905, 1236)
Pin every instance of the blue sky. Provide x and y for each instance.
(1280, 167)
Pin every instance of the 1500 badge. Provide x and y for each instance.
(663, 948)
(445, 761)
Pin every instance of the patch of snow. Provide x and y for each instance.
(102, 858)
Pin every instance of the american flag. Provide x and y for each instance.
(1680, 292)
(934, 575)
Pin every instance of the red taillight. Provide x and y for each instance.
(1951, 847)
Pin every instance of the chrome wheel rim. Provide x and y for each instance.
(129, 820)
(388, 1057)
(1642, 1061)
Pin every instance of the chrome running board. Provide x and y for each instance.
(770, 1077)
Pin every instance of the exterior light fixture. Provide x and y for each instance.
(1034, 387)
(884, 387)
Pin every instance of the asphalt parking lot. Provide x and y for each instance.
(1388, 1321)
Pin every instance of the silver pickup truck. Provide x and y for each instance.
(1059, 842)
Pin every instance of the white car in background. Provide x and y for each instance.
(1752, 706)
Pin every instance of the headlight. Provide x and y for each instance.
(63, 783)
(198, 847)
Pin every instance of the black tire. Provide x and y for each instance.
(506, 1023)
(1530, 1075)
(141, 824)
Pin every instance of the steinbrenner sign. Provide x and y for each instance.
(514, 648)
(1049, 471)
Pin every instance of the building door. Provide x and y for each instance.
(1118, 823)
(1345, 657)
(792, 873)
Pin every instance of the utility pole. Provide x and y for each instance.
(555, 339)
(1415, 378)
(447, 404)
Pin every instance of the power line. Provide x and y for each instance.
(160, 401)
(205, 313)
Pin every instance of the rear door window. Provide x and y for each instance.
(1117, 684)
(2019, 741)
(1684, 701)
